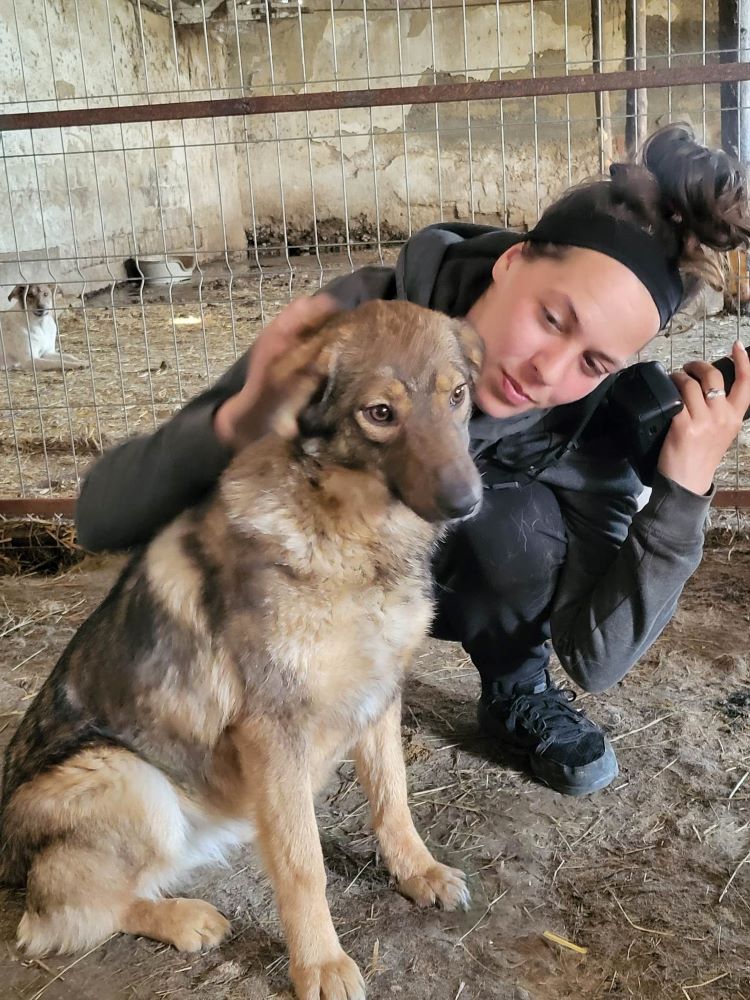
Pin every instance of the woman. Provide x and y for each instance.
(559, 554)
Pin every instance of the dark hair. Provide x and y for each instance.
(692, 199)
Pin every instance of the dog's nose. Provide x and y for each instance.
(460, 502)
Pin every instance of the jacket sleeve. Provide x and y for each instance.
(623, 576)
(141, 485)
(138, 487)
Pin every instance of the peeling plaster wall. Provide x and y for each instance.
(115, 191)
(201, 185)
(421, 164)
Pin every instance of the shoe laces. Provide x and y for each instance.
(547, 715)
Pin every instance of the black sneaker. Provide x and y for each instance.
(563, 748)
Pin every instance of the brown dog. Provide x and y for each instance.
(241, 654)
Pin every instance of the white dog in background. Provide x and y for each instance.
(28, 332)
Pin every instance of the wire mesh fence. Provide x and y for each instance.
(229, 216)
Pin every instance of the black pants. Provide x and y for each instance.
(496, 576)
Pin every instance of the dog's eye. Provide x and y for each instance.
(379, 414)
(458, 395)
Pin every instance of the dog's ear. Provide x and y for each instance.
(472, 347)
(318, 419)
(18, 293)
(301, 381)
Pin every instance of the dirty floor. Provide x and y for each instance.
(651, 877)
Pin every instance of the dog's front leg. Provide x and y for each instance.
(55, 362)
(381, 770)
(278, 775)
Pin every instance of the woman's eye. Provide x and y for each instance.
(458, 395)
(550, 318)
(593, 367)
(379, 414)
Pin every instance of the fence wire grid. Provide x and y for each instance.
(235, 214)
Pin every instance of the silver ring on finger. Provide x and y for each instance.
(715, 393)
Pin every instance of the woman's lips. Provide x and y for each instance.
(513, 391)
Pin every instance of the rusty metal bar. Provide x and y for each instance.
(49, 507)
(548, 86)
(38, 507)
(739, 498)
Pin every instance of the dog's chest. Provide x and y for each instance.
(345, 646)
(345, 594)
(46, 335)
(40, 332)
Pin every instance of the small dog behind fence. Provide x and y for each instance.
(28, 332)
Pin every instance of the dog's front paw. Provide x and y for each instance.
(337, 979)
(438, 884)
(196, 925)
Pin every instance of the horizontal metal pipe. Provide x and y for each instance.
(442, 93)
(38, 507)
(65, 506)
(739, 499)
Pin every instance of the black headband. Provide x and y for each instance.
(578, 224)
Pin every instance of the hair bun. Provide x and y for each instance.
(633, 186)
(703, 191)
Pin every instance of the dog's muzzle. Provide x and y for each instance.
(458, 499)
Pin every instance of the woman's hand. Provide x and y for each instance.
(250, 414)
(702, 432)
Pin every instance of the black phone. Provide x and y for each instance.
(642, 403)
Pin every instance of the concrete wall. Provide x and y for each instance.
(85, 197)
(414, 166)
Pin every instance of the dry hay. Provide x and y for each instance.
(37, 545)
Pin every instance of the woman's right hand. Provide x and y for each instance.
(256, 408)
(702, 432)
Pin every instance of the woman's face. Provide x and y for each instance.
(554, 328)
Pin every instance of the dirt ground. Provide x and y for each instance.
(651, 876)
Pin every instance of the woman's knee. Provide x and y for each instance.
(517, 540)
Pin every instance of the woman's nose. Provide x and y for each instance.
(551, 364)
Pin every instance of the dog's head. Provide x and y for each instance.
(396, 400)
(36, 299)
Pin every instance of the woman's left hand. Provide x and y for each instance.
(703, 431)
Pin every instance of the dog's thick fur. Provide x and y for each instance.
(28, 332)
(250, 645)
